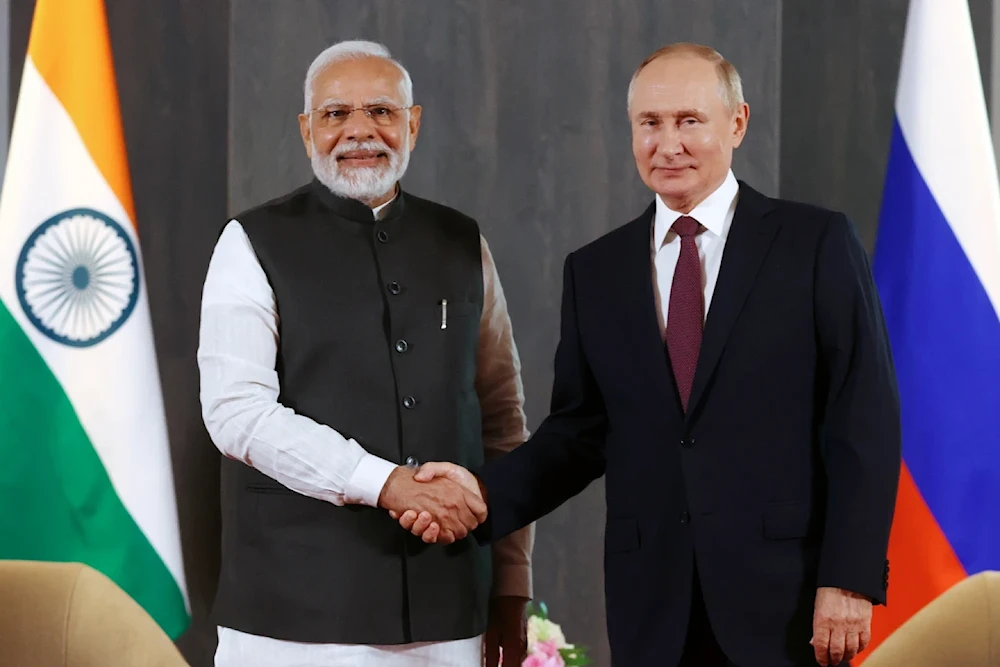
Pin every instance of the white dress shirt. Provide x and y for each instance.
(238, 346)
(715, 214)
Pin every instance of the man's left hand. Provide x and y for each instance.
(842, 625)
(507, 629)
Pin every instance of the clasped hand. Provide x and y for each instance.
(440, 502)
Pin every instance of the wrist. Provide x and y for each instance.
(387, 497)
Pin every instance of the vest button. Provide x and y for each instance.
(382, 236)
(687, 443)
(685, 517)
(409, 402)
(402, 346)
(394, 288)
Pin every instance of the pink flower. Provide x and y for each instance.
(544, 654)
(538, 660)
(549, 648)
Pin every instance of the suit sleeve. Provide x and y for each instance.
(861, 432)
(566, 452)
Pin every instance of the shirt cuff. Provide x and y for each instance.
(365, 485)
(512, 580)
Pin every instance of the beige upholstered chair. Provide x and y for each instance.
(70, 615)
(960, 628)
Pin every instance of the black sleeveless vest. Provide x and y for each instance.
(362, 350)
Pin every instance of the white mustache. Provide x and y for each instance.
(362, 146)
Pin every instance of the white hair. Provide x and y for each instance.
(355, 50)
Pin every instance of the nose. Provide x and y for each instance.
(670, 141)
(359, 127)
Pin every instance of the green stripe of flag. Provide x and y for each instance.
(58, 502)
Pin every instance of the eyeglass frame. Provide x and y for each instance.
(364, 109)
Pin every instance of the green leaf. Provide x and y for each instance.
(575, 657)
(544, 609)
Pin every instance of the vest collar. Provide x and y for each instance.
(355, 210)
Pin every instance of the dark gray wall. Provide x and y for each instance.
(840, 61)
(171, 64)
(523, 129)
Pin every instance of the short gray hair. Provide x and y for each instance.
(355, 50)
(729, 78)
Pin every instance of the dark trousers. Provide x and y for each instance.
(700, 648)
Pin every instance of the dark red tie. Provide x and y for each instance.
(686, 310)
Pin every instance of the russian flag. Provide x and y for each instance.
(937, 266)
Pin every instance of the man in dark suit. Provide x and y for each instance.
(724, 364)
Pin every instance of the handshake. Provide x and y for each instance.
(438, 502)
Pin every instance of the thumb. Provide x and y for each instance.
(430, 471)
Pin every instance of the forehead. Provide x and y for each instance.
(358, 81)
(677, 82)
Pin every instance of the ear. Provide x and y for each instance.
(414, 125)
(740, 121)
(306, 131)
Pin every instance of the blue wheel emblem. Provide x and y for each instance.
(77, 277)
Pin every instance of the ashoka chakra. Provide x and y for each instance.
(77, 277)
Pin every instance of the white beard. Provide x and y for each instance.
(365, 184)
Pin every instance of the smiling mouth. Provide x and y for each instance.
(355, 157)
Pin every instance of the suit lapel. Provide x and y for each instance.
(639, 307)
(750, 237)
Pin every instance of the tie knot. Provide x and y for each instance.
(686, 226)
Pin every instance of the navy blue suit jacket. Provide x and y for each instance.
(781, 477)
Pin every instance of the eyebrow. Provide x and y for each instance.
(331, 102)
(678, 113)
(683, 113)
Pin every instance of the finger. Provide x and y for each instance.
(458, 529)
(458, 520)
(821, 646)
(515, 647)
(407, 520)
(393, 514)
(476, 506)
(852, 645)
(429, 471)
(838, 642)
(446, 537)
(430, 536)
(493, 649)
(866, 637)
(468, 519)
(422, 523)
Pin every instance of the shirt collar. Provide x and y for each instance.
(714, 213)
(378, 209)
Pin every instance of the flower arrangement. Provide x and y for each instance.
(547, 646)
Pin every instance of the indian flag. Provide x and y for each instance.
(85, 473)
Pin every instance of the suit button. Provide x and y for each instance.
(687, 443)
(394, 288)
(409, 402)
(402, 346)
(382, 236)
(412, 462)
(685, 517)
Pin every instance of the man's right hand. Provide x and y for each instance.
(424, 524)
(452, 508)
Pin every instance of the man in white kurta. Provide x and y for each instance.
(239, 341)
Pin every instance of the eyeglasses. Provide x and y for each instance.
(334, 115)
